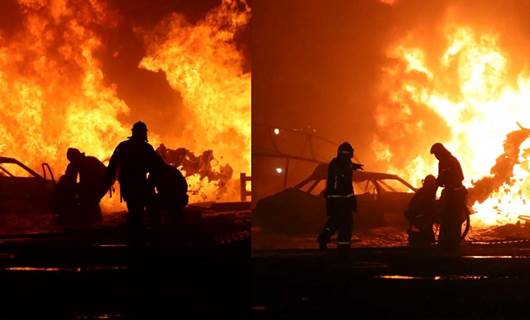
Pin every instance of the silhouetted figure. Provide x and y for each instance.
(65, 201)
(91, 174)
(420, 213)
(172, 198)
(340, 199)
(79, 191)
(172, 187)
(132, 161)
(453, 199)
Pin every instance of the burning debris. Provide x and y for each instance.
(502, 171)
(204, 65)
(205, 166)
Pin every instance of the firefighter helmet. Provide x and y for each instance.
(345, 149)
(73, 154)
(429, 180)
(437, 148)
(139, 127)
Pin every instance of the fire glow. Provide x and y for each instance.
(53, 94)
(475, 100)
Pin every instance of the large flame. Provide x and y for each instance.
(464, 96)
(53, 94)
(201, 62)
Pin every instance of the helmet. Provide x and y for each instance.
(139, 131)
(345, 149)
(429, 180)
(437, 148)
(139, 127)
(73, 154)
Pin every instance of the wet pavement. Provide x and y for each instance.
(487, 278)
(93, 274)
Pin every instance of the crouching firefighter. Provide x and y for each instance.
(420, 213)
(340, 199)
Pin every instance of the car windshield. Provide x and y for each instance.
(359, 187)
(364, 187)
(13, 170)
(393, 185)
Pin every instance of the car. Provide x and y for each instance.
(381, 198)
(22, 189)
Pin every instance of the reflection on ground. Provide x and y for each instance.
(383, 237)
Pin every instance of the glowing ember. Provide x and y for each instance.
(464, 97)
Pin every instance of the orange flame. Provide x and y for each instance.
(201, 63)
(465, 97)
(53, 94)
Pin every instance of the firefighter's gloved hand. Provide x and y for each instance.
(357, 166)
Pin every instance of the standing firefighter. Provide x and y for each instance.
(340, 200)
(453, 199)
(132, 161)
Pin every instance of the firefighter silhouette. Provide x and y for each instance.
(171, 199)
(78, 192)
(453, 198)
(421, 212)
(340, 199)
(132, 162)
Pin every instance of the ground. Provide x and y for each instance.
(49, 272)
(381, 278)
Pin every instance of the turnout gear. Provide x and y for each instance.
(340, 198)
(172, 198)
(453, 199)
(77, 203)
(132, 161)
(420, 213)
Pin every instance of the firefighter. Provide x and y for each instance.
(172, 198)
(172, 188)
(80, 200)
(132, 161)
(453, 198)
(340, 199)
(420, 213)
(91, 174)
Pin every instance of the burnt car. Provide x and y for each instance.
(22, 189)
(381, 197)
